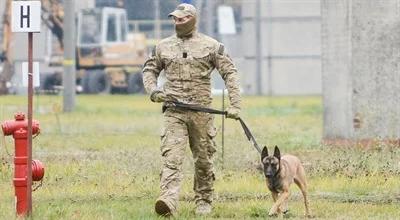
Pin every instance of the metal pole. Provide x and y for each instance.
(269, 42)
(30, 99)
(210, 14)
(157, 26)
(199, 8)
(258, 47)
(69, 57)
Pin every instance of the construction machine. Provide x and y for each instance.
(108, 58)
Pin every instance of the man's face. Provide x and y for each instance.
(182, 20)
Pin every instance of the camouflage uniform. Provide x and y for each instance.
(188, 63)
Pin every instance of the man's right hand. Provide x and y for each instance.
(158, 96)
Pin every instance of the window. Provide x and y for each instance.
(90, 30)
(112, 28)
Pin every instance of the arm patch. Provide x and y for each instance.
(221, 49)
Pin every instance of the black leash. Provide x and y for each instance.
(197, 108)
(249, 135)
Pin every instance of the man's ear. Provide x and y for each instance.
(264, 153)
(277, 153)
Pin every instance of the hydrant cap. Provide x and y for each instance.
(19, 116)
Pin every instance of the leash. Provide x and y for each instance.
(197, 108)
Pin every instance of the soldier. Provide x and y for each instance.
(188, 58)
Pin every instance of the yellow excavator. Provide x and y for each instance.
(108, 58)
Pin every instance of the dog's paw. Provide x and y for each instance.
(288, 214)
(272, 214)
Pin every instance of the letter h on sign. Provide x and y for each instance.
(26, 16)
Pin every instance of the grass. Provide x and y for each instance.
(102, 162)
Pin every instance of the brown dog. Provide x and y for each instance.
(281, 172)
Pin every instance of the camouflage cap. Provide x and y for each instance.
(183, 10)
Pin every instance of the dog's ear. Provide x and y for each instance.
(264, 152)
(277, 152)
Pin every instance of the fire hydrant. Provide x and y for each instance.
(19, 129)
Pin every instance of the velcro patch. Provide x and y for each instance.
(221, 49)
(153, 51)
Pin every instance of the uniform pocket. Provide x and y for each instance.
(211, 132)
(167, 58)
(170, 65)
(201, 65)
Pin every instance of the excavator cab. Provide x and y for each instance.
(109, 58)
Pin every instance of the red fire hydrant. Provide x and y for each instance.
(19, 129)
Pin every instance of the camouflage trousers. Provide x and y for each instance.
(181, 128)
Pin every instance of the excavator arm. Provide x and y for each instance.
(52, 17)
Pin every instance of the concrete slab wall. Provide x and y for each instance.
(360, 66)
(290, 47)
(375, 68)
(336, 58)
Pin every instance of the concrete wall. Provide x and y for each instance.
(361, 78)
(290, 47)
(336, 58)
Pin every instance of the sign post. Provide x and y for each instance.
(26, 18)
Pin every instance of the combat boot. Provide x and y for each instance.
(162, 208)
(203, 208)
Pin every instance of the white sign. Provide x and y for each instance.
(26, 16)
(36, 74)
(226, 20)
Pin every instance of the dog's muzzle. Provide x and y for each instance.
(269, 175)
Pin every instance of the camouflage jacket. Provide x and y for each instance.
(188, 64)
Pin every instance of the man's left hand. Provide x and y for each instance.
(233, 112)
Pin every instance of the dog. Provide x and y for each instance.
(280, 173)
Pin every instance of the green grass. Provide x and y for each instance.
(102, 162)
